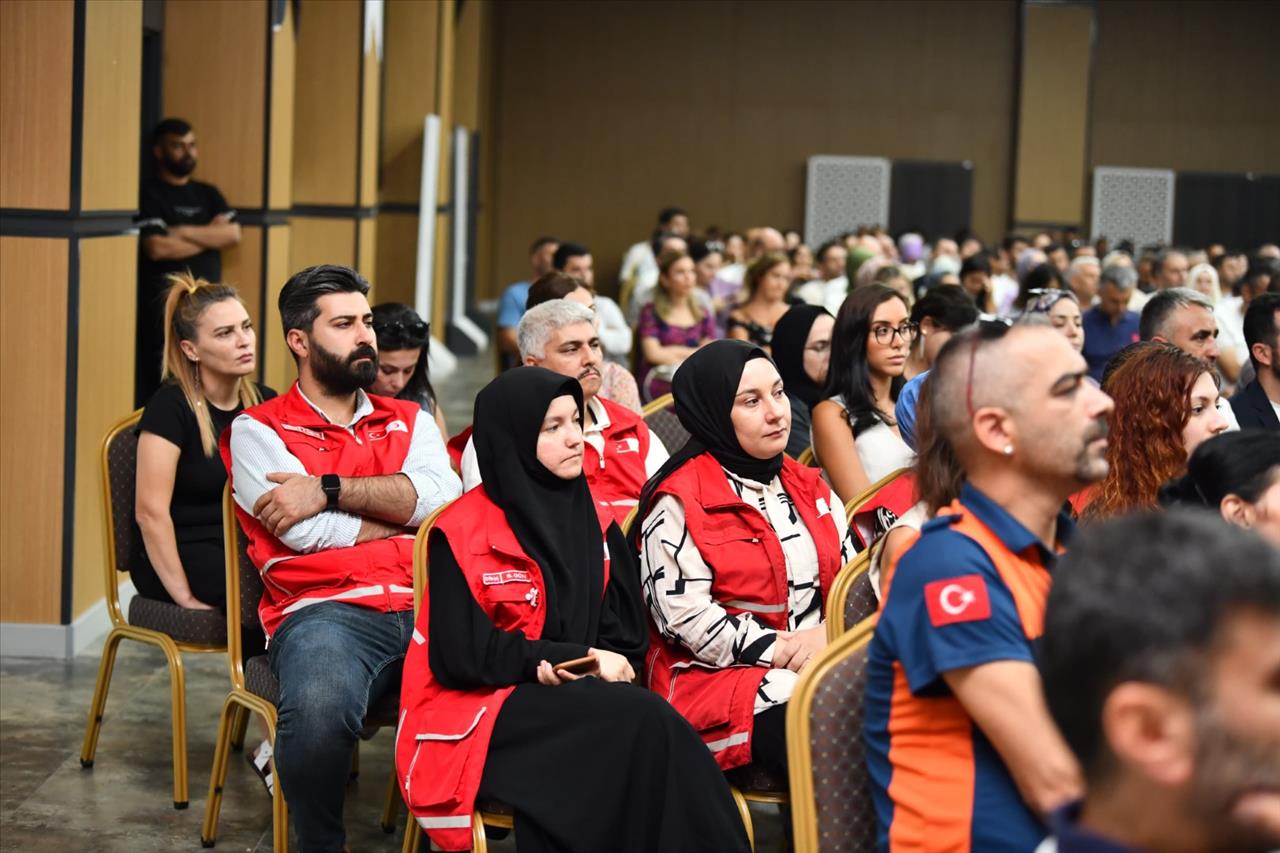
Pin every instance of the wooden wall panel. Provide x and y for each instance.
(112, 105)
(33, 325)
(367, 260)
(1189, 86)
(369, 128)
(397, 256)
(283, 43)
(1053, 110)
(325, 130)
(104, 393)
(317, 240)
(215, 68)
(242, 269)
(409, 88)
(594, 140)
(35, 103)
(280, 370)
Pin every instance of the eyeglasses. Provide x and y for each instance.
(413, 329)
(1046, 298)
(907, 331)
(990, 327)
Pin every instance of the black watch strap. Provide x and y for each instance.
(331, 485)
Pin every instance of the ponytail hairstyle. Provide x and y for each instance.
(187, 300)
(1243, 463)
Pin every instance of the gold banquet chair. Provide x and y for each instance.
(831, 806)
(852, 597)
(162, 624)
(254, 689)
(660, 417)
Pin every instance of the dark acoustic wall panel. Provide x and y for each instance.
(1241, 211)
(932, 197)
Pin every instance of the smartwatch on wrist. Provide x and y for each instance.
(332, 485)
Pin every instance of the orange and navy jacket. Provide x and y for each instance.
(444, 734)
(750, 569)
(377, 574)
(970, 591)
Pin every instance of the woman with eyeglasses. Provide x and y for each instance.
(1063, 310)
(802, 352)
(403, 343)
(855, 433)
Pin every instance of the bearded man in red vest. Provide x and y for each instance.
(329, 484)
(620, 452)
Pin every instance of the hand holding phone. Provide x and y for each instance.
(578, 666)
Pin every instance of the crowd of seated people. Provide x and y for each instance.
(1028, 388)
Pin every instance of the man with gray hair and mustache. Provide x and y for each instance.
(621, 454)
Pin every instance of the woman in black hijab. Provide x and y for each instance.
(739, 544)
(525, 575)
(802, 352)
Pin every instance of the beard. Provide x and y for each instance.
(181, 167)
(1228, 767)
(339, 375)
(1088, 467)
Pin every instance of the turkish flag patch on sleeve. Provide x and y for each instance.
(962, 599)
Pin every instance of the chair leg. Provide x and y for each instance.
(218, 775)
(412, 836)
(392, 807)
(279, 808)
(99, 703)
(479, 843)
(239, 728)
(178, 698)
(745, 812)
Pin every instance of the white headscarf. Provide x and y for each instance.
(1215, 292)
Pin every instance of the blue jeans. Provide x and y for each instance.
(333, 661)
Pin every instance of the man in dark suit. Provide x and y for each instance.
(1257, 405)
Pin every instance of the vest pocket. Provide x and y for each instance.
(441, 752)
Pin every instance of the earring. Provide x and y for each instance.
(1008, 450)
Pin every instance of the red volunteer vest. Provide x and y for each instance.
(617, 478)
(743, 550)
(443, 736)
(376, 574)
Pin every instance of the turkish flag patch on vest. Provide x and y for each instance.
(961, 599)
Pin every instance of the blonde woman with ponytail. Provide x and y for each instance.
(209, 359)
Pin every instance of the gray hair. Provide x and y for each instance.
(1083, 261)
(541, 321)
(1162, 305)
(1119, 277)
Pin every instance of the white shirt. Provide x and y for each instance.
(257, 450)
(827, 294)
(1229, 313)
(615, 333)
(639, 260)
(593, 435)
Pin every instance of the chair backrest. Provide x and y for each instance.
(420, 556)
(244, 588)
(119, 492)
(660, 417)
(873, 512)
(807, 457)
(846, 597)
(831, 805)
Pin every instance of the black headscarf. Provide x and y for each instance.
(789, 337)
(704, 389)
(553, 519)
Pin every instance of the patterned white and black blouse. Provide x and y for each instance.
(677, 586)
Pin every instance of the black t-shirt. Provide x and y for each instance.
(160, 205)
(196, 506)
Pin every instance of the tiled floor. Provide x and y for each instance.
(124, 803)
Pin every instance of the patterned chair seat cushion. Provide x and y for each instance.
(199, 627)
(260, 680)
(755, 778)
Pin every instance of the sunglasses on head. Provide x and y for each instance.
(1046, 298)
(413, 328)
(990, 327)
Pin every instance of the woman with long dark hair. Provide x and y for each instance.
(533, 587)
(855, 434)
(210, 353)
(1235, 474)
(1166, 405)
(404, 342)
